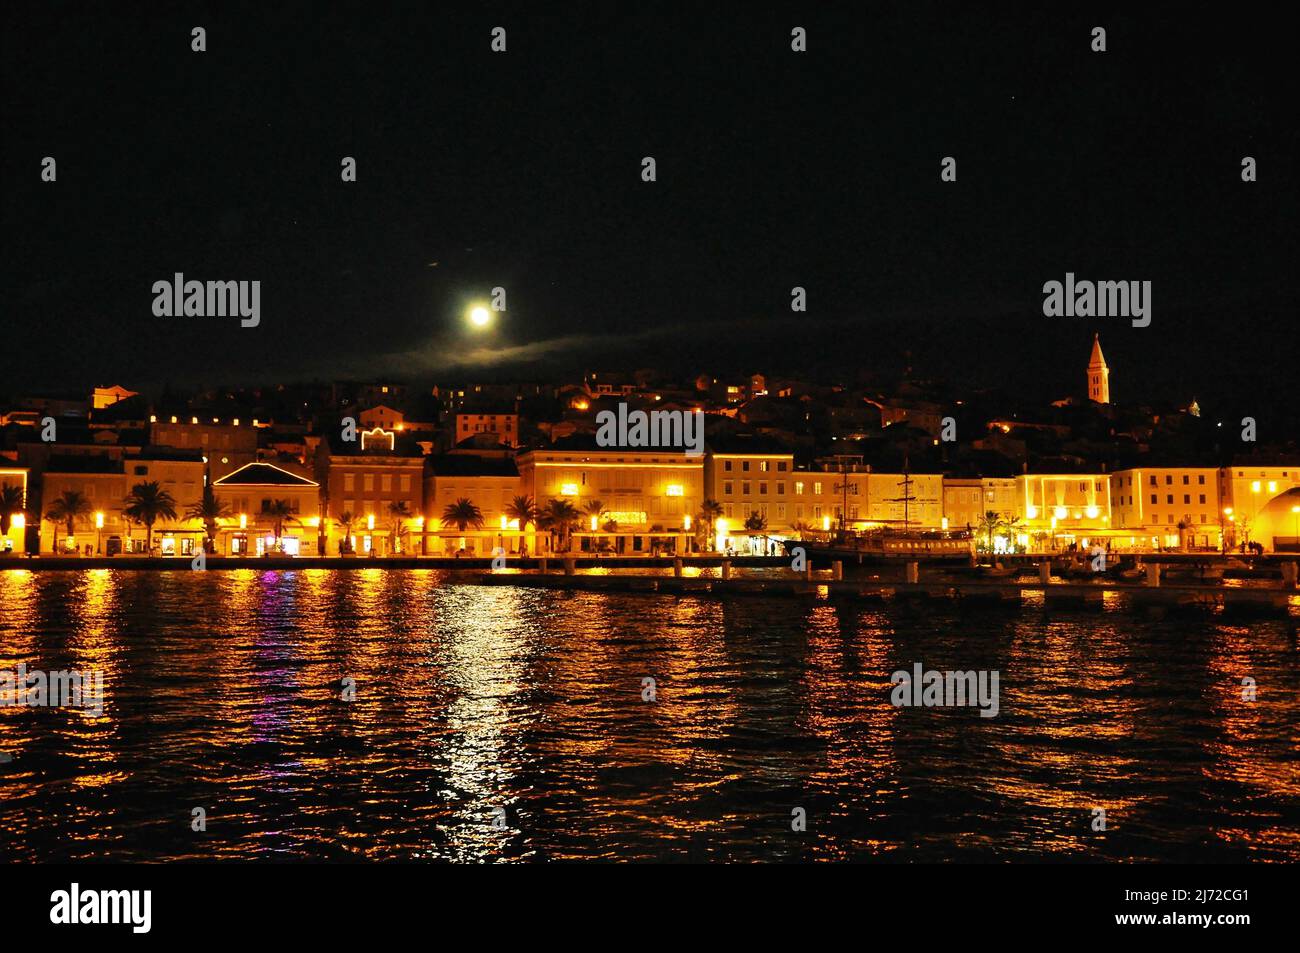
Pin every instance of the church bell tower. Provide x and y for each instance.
(1098, 374)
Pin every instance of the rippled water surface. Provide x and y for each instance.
(223, 691)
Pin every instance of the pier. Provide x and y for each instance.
(911, 580)
(1273, 599)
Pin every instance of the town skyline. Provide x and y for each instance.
(471, 470)
(1138, 387)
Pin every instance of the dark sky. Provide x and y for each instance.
(775, 169)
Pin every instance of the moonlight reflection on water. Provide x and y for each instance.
(499, 723)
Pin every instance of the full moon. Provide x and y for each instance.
(480, 316)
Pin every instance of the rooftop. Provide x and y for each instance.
(262, 474)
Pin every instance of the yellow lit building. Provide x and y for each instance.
(102, 483)
(250, 492)
(383, 417)
(108, 396)
(490, 483)
(504, 426)
(228, 444)
(1277, 525)
(745, 483)
(653, 495)
(967, 500)
(13, 535)
(181, 474)
(1166, 508)
(1065, 510)
(1249, 492)
(910, 502)
(366, 481)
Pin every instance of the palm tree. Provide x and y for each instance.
(559, 516)
(461, 514)
(346, 519)
(522, 508)
(988, 525)
(209, 509)
(710, 512)
(756, 525)
(1011, 523)
(70, 507)
(594, 509)
(147, 503)
(802, 528)
(280, 512)
(400, 512)
(11, 504)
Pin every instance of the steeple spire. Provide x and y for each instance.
(1098, 374)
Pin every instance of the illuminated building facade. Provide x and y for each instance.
(181, 474)
(228, 445)
(102, 483)
(251, 493)
(368, 478)
(1064, 510)
(1167, 508)
(383, 417)
(504, 426)
(490, 483)
(1248, 495)
(652, 496)
(103, 397)
(13, 535)
(745, 483)
(867, 500)
(967, 501)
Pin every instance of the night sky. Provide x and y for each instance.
(775, 169)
